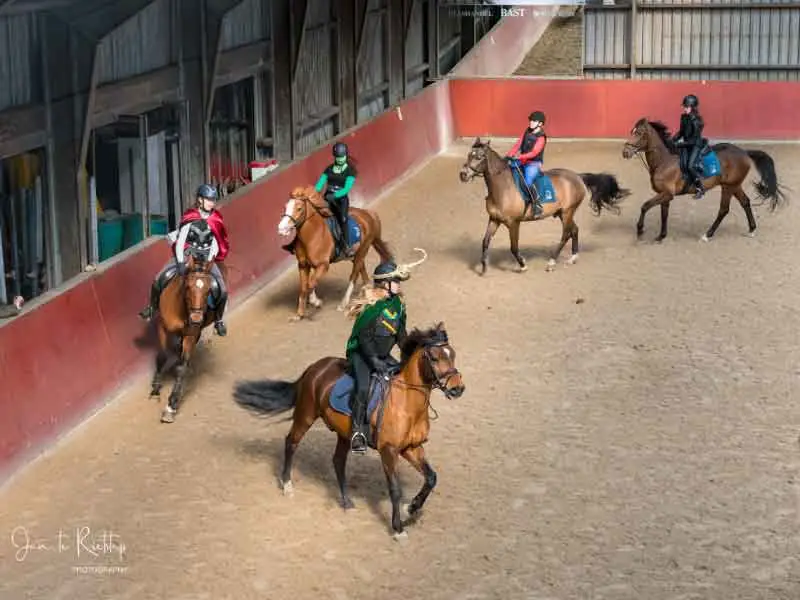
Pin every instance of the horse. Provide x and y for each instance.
(398, 414)
(506, 205)
(306, 219)
(183, 313)
(730, 165)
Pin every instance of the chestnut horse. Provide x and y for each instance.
(400, 421)
(183, 313)
(651, 141)
(305, 219)
(505, 204)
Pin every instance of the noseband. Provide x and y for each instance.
(440, 381)
(304, 215)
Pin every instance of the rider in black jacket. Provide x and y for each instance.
(689, 141)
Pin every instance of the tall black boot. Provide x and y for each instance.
(345, 235)
(219, 324)
(155, 293)
(358, 441)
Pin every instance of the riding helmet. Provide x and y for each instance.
(691, 101)
(207, 191)
(537, 116)
(339, 149)
(385, 268)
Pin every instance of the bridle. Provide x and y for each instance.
(473, 171)
(303, 217)
(440, 381)
(637, 152)
(198, 266)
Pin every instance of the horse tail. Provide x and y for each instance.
(378, 243)
(606, 192)
(266, 397)
(768, 188)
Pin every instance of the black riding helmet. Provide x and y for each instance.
(690, 101)
(537, 116)
(339, 149)
(207, 191)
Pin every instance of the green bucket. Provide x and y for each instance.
(110, 233)
(134, 230)
(158, 225)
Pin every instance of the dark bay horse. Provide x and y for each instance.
(183, 313)
(428, 362)
(651, 140)
(505, 204)
(305, 221)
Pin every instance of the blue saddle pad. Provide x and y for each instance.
(543, 185)
(353, 229)
(710, 164)
(342, 392)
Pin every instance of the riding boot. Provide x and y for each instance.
(155, 293)
(700, 190)
(358, 441)
(346, 250)
(219, 324)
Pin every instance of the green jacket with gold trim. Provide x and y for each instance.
(378, 328)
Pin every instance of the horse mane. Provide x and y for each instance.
(487, 147)
(419, 338)
(662, 131)
(310, 192)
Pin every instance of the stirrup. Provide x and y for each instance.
(358, 448)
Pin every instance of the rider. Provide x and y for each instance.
(339, 177)
(205, 210)
(689, 141)
(379, 326)
(529, 149)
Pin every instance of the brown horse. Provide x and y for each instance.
(305, 219)
(505, 204)
(651, 141)
(400, 421)
(183, 313)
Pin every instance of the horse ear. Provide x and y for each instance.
(477, 141)
(488, 142)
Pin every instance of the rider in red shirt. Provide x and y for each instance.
(529, 149)
(205, 210)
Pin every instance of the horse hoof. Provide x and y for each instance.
(155, 393)
(295, 318)
(572, 259)
(400, 536)
(347, 504)
(522, 268)
(340, 308)
(168, 415)
(750, 234)
(705, 238)
(288, 488)
(551, 265)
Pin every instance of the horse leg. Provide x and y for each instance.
(300, 427)
(313, 280)
(513, 235)
(491, 229)
(566, 234)
(358, 269)
(416, 457)
(303, 297)
(664, 218)
(657, 199)
(161, 361)
(389, 460)
(187, 346)
(724, 209)
(744, 201)
(340, 466)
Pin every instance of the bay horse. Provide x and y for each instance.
(652, 142)
(506, 206)
(183, 313)
(305, 221)
(400, 420)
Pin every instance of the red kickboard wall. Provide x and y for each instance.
(583, 108)
(63, 357)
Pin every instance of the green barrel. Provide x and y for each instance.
(110, 234)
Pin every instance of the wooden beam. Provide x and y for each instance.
(299, 13)
(409, 11)
(361, 24)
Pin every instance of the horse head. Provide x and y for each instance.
(644, 136)
(197, 283)
(302, 203)
(438, 360)
(477, 161)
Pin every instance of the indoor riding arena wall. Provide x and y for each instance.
(59, 360)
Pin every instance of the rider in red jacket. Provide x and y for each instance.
(205, 211)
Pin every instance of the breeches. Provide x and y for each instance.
(531, 170)
(688, 161)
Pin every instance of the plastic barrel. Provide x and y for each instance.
(158, 225)
(133, 230)
(110, 233)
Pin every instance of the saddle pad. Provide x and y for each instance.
(342, 392)
(710, 164)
